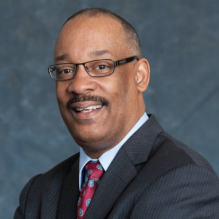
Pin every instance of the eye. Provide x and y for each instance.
(65, 71)
(100, 67)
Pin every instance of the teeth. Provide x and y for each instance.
(88, 109)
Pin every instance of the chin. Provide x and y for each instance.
(87, 137)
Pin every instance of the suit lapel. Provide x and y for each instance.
(53, 182)
(123, 169)
(113, 182)
(144, 142)
(69, 195)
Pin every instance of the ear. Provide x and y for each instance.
(142, 76)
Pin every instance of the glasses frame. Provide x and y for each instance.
(116, 63)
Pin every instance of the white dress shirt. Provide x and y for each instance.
(107, 157)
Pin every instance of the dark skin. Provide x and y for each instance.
(101, 37)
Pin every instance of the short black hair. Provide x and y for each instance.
(129, 30)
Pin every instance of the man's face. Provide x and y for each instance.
(110, 105)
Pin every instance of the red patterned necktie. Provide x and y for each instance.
(94, 172)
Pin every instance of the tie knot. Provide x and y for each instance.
(94, 170)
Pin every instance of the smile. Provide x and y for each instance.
(87, 109)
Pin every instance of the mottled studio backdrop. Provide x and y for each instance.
(179, 38)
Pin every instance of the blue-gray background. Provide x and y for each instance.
(179, 38)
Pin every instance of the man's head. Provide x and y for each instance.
(100, 111)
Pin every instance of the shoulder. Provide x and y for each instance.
(35, 187)
(60, 170)
(171, 155)
(182, 183)
(178, 152)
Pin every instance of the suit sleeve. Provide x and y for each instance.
(187, 192)
(20, 211)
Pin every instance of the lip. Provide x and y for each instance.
(84, 104)
(86, 115)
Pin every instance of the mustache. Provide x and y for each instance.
(82, 98)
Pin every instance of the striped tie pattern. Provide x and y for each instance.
(94, 172)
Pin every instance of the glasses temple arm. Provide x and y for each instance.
(124, 61)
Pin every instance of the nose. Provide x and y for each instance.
(82, 82)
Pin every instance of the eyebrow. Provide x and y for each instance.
(62, 57)
(94, 54)
(100, 52)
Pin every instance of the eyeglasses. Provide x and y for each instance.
(95, 68)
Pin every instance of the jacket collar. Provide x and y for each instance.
(123, 169)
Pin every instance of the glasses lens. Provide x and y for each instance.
(100, 68)
(62, 72)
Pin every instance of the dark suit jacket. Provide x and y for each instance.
(152, 176)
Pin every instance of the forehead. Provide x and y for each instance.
(83, 36)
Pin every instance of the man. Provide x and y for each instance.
(128, 167)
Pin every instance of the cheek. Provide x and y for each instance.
(61, 95)
(113, 90)
(123, 88)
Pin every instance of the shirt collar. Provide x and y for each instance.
(107, 157)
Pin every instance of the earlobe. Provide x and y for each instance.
(142, 75)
